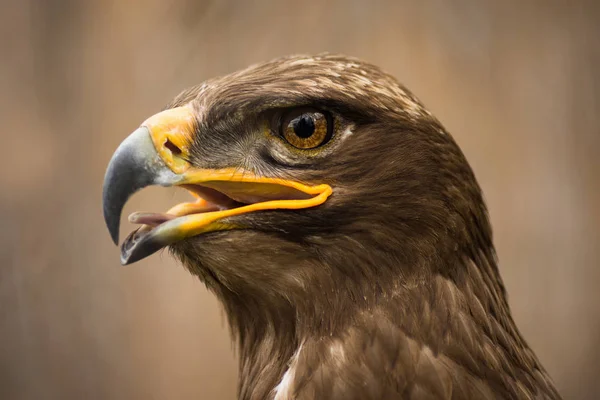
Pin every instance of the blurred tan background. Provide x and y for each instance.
(516, 82)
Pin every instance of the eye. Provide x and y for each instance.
(306, 128)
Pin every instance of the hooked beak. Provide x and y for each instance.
(157, 154)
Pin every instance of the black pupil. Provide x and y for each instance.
(304, 126)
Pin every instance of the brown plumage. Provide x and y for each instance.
(388, 290)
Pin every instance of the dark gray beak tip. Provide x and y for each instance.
(112, 224)
(132, 167)
(114, 197)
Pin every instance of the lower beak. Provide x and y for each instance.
(149, 157)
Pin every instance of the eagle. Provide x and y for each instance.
(341, 228)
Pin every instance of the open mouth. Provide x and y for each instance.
(215, 201)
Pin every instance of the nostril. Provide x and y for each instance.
(173, 147)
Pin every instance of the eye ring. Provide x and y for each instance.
(306, 128)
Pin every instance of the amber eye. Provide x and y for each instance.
(306, 129)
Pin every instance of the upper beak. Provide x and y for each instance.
(156, 154)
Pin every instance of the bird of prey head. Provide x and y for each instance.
(340, 226)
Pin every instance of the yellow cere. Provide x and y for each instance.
(172, 133)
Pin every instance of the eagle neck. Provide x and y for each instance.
(266, 341)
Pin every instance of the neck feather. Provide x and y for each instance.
(269, 333)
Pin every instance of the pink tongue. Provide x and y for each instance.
(152, 219)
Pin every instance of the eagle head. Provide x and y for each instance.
(298, 166)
